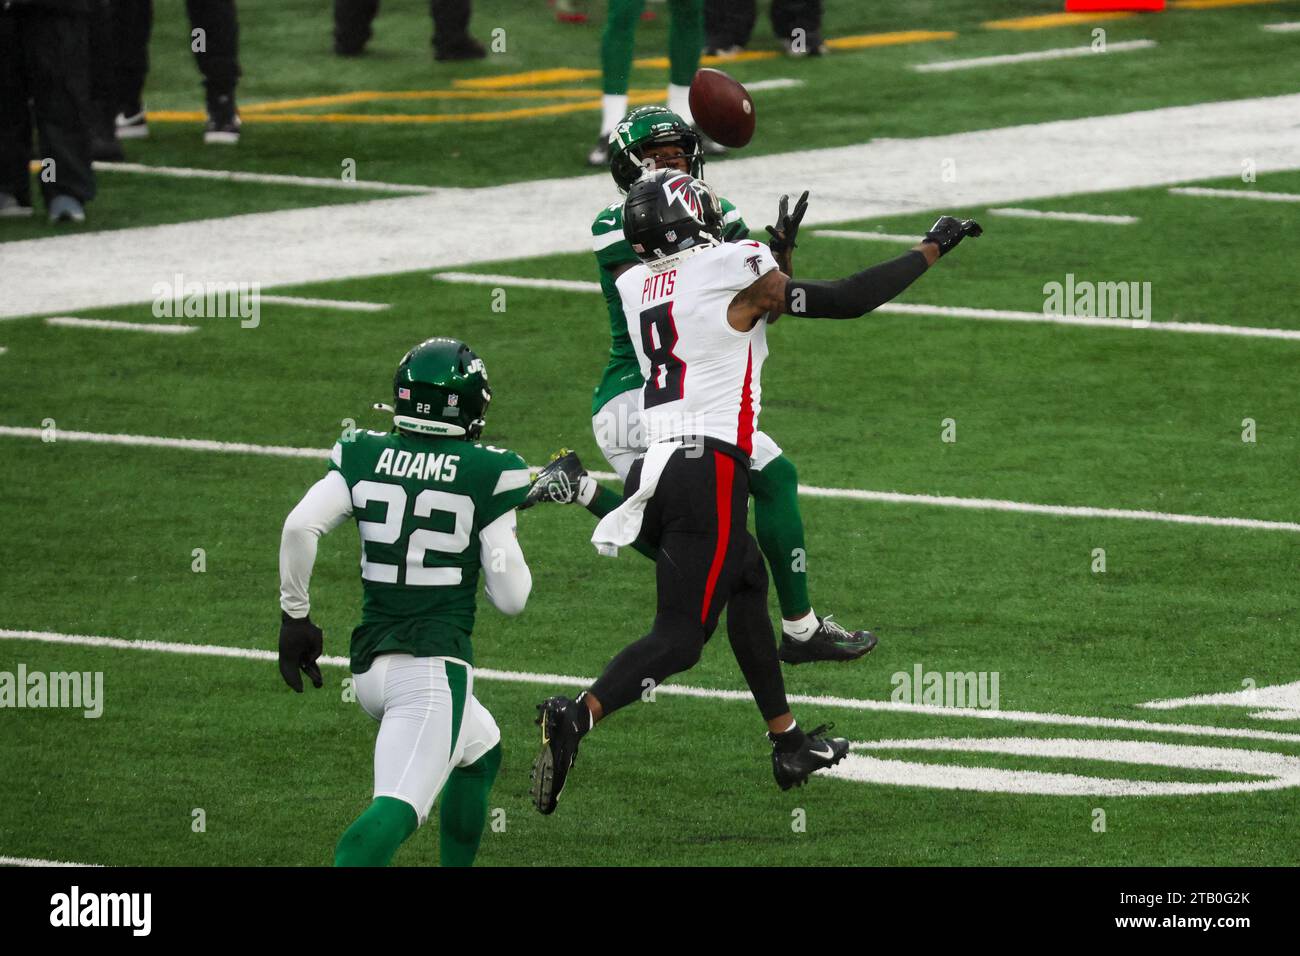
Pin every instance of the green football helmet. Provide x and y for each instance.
(441, 388)
(650, 126)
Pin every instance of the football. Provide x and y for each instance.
(722, 108)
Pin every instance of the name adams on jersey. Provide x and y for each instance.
(420, 503)
(701, 376)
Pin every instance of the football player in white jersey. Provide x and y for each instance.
(698, 310)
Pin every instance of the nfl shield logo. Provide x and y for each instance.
(453, 400)
(404, 393)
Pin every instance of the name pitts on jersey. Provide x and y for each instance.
(701, 376)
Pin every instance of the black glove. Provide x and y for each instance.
(787, 225)
(948, 231)
(301, 642)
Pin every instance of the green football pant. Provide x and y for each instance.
(685, 38)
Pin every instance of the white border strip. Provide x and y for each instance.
(681, 690)
(342, 304)
(69, 321)
(185, 172)
(1015, 212)
(1292, 27)
(777, 83)
(29, 861)
(1234, 194)
(812, 491)
(944, 66)
(871, 236)
(944, 311)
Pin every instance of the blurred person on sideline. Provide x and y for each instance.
(214, 41)
(796, 23)
(45, 84)
(685, 39)
(451, 39)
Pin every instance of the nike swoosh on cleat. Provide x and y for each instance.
(830, 752)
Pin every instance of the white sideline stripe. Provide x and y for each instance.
(522, 282)
(185, 172)
(945, 311)
(3, 349)
(812, 491)
(1007, 166)
(680, 690)
(873, 236)
(192, 444)
(344, 304)
(1235, 194)
(1292, 27)
(69, 321)
(29, 861)
(1014, 212)
(944, 66)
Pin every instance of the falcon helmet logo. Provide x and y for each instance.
(685, 190)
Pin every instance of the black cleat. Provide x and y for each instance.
(560, 737)
(793, 767)
(223, 122)
(829, 642)
(599, 155)
(557, 482)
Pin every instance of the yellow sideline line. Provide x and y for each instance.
(745, 56)
(592, 103)
(1047, 20)
(371, 96)
(562, 74)
(1211, 4)
(866, 40)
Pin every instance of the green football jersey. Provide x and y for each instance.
(612, 252)
(420, 502)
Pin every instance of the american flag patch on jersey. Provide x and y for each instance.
(403, 393)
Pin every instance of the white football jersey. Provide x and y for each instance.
(702, 377)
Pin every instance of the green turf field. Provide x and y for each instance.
(99, 539)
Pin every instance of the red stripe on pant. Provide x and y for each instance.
(725, 466)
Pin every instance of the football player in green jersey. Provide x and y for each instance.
(434, 507)
(653, 137)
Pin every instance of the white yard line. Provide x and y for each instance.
(1010, 315)
(682, 690)
(150, 441)
(1060, 53)
(1008, 166)
(1235, 194)
(522, 282)
(29, 861)
(812, 491)
(185, 172)
(1017, 213)
(68, 321)
(341, 304)
(943, 311)
(1292, 27)
(778, 83)
(868, 236)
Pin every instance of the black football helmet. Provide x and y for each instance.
(668, 212)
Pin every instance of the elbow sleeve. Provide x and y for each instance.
(856, 295)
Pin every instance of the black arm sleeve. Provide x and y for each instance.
(856, 295)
